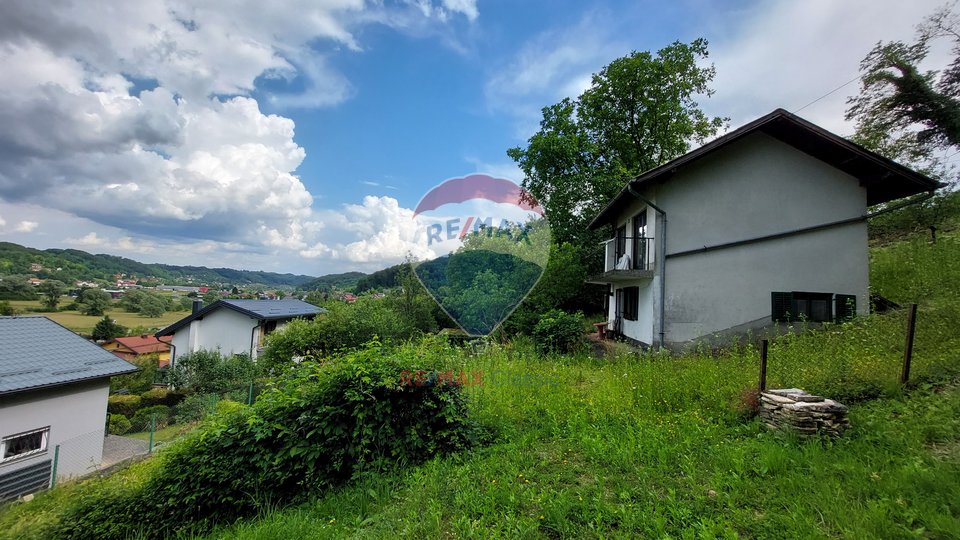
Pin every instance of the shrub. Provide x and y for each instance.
(124, 404)
(347, 327)
(747, 403)
(160, 396)
(207, 371)
(139, 381)
(118, 424)
(141, 420)
(559, 332)
(195, 407)
(321, 425)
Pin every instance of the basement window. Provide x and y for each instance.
(812, 307)
(24, 444)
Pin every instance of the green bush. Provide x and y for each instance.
(559, 332)
(207, 371)
(160, 396)
(139, 381)
(195, 407)
(347, 327)
(125, 404)
(319, 426)
(118, 424)
(141, 420)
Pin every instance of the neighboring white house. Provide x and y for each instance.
(53, 393)
(767, 223)
(233, 326)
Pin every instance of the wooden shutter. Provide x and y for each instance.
(782, 308)
(846, 308)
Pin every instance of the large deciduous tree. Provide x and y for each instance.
(911, 115)
(902, 111)
(50, 292)
(93, 302)
(639, 112)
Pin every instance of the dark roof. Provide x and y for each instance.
(264, 310)
(885, 180)
(36, 352)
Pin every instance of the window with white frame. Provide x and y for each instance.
(24, 444)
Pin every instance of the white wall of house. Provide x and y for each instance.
(224, 328)
(756, 186)
(76, 414)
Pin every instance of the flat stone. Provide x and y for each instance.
(775, 398)
(785, 391)
(809, 398)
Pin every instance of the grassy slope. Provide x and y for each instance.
(648, 447)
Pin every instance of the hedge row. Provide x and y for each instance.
(319, 426)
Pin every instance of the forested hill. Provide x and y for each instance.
(74, 265)
(345, 281)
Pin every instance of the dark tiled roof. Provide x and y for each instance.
(885, 180)
(264, 310)
(36, 352)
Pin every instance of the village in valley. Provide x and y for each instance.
(684, 307)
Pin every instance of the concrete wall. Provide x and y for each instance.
(223, 328)
(76, 414)
(755, 187)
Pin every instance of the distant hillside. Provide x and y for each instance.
(381, 279)
(74, 264)
(347, 280)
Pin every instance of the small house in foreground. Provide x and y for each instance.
(233, 326)
(767, 223)
(53, 393)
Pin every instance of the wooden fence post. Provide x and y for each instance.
(763, 365)
(908, 346)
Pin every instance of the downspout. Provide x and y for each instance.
(253, 332)
(661, 258)
(173, 352)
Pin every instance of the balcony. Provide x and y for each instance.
(626, 258)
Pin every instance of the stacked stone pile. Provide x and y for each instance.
(794, 410)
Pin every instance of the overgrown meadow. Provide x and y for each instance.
(630, 444)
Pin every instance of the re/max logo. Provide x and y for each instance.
(439, 232)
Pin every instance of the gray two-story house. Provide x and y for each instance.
(767, 223)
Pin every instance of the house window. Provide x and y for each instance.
(24, 444)
(640, 241)
(621, 242)
(630, 303)
(813, 307)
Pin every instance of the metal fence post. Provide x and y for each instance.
(53, 470)
(908, 346)
(250, 395)
(153, 427)
(763, 365)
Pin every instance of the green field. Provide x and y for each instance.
(84, 324)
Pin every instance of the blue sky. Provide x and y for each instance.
(297, 136)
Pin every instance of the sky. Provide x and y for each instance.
(297, 135)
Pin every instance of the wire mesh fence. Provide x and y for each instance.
(77, 456)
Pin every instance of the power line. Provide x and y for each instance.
(857, 78)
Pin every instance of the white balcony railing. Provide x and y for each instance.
(628, 253)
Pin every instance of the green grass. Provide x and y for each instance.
(647, 445)
(162, 435)
(84, 324)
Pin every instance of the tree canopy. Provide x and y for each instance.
(904, 112)
(639, 112)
